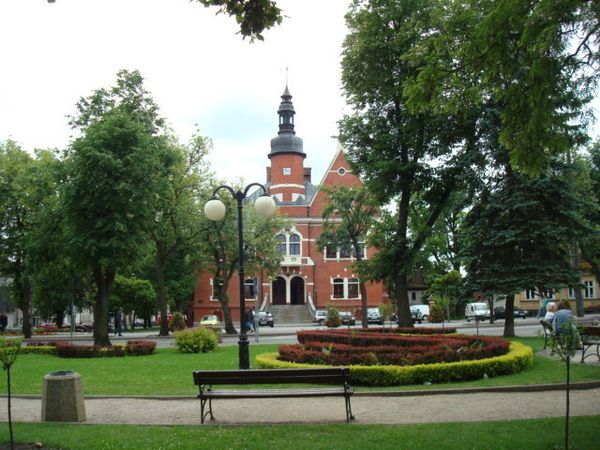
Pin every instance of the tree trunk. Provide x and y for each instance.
(25, 305)
(162, 295)
(363, 294)
(60, 317)
(509, 320)
(404, 315)
(104, 283)
(225, 300)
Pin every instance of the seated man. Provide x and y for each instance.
(564, 321)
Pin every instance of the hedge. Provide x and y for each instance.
(517, 359)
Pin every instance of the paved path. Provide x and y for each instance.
(390, 408)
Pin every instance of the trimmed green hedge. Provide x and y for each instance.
(518, 358)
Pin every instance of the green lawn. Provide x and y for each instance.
(539, 434)
(168, 372)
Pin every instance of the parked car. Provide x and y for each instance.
(500, 312)
(210, 321)
(415, 314)
(85, 327)
(347, 318)
(374, 316)
(320, 316)
(265, 318)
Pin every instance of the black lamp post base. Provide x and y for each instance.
(243, 344)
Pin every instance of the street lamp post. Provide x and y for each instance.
(215, 210)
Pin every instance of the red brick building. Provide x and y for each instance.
(307, 277)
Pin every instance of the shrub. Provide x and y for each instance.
(517, 359)
(133, 348)
(196, 340)
(177, 322)
(140, 348)
(333, 317)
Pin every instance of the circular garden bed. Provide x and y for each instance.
(389, 357)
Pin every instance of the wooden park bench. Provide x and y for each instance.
(206, 379)
(590, 338)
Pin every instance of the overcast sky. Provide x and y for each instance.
(199, 70)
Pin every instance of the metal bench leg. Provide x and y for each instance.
(349, 415)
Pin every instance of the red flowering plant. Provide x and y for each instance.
(584, 266)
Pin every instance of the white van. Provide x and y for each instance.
(477, 311)
(424, 309)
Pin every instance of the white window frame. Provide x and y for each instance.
(345, 284)
(590, 289)
(337, 256)
(284, 246)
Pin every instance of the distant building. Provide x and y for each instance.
(307, 276)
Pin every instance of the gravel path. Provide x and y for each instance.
(368, 409)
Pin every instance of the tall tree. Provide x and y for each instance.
(349, 215)
(113, 168)
(22, 191)
(537, 61)
(176, 227)
(518, 236)
(398, 152)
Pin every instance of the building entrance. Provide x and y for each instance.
(278, 291)
(297, 291)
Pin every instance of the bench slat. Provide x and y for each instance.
(276, 393)
(275, 376)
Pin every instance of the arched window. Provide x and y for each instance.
(281, 246)
(338, 288)
(294, 244)
(353, 288)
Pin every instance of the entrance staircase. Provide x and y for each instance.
(292, 314)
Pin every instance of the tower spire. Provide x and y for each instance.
(286, 141)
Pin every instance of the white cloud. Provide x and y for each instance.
(195, 65)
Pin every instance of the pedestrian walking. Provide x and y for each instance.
(119, 317)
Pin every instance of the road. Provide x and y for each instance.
(286, 333)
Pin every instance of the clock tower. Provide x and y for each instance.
(286, 175)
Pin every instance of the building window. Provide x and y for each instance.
(341, 171)
(589, 289)
(361, 248)
(345, 251)
(330, 252)
(294, 244)
(281, 246)
(249, 288)
(213, 296)
(338, 288)
(346, 288)
(530, 294)
(413, 296)
(289, 245)
(571, 293)
(353, 288)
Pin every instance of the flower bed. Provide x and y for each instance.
(517, 359)
(132, 348)
(385, 357)
(342, 348)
